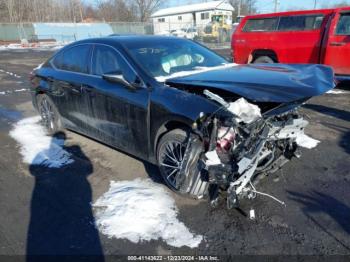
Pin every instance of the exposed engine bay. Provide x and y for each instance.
(228, 155)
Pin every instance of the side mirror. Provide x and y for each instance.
(119, 78)
(116, 78)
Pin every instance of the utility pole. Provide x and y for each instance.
(239, 8)
(276, 5)
(315, 4)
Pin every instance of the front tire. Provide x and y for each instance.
(170, 152)
(50, 117)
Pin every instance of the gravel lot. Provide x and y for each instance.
(316, 189)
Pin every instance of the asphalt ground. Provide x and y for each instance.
(316, 189)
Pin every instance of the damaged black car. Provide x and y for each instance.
(214, 128)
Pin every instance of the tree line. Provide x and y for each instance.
(20, 11)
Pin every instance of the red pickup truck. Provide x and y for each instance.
(314, 36)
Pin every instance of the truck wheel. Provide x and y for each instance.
(170, 151)
(49, 114)
(263, 60)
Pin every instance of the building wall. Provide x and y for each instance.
(172, 22)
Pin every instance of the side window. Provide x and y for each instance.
(58, 60)
(263, 24)
(343, 27)
(105, 61)
(300, 23)
(75, 59)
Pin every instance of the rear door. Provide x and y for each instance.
(338, 45)
(71, 73)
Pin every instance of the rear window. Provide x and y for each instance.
(284, 23)
(75, 59)
(300, 23)
(262, 24)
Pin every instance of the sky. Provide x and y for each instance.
(266, 6)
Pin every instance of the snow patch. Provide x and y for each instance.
(245, 111)
(10, 73)
(336, 92)
(140, 210)
(196, 71)
(306, 141)
(37, 148)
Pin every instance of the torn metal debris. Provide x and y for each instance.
(230, 154)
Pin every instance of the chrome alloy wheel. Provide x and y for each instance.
(171, 157)
(47, 114)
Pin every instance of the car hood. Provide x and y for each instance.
(264, 82)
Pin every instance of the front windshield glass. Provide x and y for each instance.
(171, 56)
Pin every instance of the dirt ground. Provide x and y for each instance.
(316, 189)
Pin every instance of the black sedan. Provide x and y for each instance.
(208, 124)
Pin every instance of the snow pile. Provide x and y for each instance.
(37, 148)
(304, 140)
(195, 71)
(245, 112)
(140, 210)
(41, 46)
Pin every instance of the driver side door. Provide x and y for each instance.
(118, 112)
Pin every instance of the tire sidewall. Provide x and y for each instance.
(178, 135)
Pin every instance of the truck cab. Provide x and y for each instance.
(313, 36)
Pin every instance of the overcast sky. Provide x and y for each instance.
(265, 6)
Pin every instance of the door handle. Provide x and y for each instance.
(338, 43)
(88, 89)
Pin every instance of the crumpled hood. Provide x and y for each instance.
(264, 82)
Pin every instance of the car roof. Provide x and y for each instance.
(290, 13)
(120, 39)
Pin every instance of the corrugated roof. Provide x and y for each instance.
(222, 5)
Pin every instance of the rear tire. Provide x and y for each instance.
(50, 117)
(170, 153)
(264, 60)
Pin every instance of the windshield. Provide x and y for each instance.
(170, 56)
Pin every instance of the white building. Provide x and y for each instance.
(189, 15)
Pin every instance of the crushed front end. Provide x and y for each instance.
(230, 153)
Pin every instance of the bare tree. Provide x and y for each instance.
(245, 6)
(146, 8)
(16, 11)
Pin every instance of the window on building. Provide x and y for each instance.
(204, 16)
(179, 17)
(161, 20)
(261, 24)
